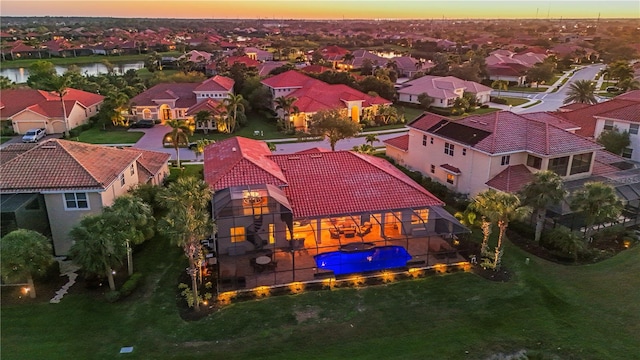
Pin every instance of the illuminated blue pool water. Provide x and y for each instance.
(377, 258)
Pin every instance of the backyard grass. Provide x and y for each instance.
(479, 111)
(194, 170)
(551, 310)
(25, 63)
(4, 139)
(410, 113)
(114, 136)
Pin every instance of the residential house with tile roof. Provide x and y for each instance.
(313, 95)
(499, 150)
(170, 101)
(621, 113)
(70, 180)
(24, 109)
(506, 65)
(273, 204)
(444, 90)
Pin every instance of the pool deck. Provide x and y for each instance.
(238, 273)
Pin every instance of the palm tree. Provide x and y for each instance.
(598, 203)
(25, 253)
(370, 139)
(500, 85)
(133, 220)
(97, 248)
(546, 189)
(581, 91)
(566, 241)
(629, 84)
(179, 135)
(286, 105)
(59, 85)
(188, 221)
(198, 149)
(202, 119)
(233, 104)
(364, 149)
(501, 208)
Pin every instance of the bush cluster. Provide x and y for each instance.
(127, 289)
(499, 100)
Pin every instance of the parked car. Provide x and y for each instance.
(34, 135)
(143, 124)
(613, 89)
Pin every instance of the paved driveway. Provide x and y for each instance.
(152, 140)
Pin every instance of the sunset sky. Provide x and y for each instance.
(327, 9)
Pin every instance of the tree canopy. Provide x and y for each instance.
(333, 125)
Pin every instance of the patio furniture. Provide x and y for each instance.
(335, 233)
(349, 233)
(263, 260)
(365, 229)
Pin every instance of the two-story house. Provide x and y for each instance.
(499, 150)
(50, 186)
(165, 102)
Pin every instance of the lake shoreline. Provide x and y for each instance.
(80, 60)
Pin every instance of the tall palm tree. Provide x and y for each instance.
(180, 132)
(546, 189)
(133, 220)
(233, 104)
(60, 85)
(598, 203)
(581, 91)
(500, 85)
(501, 208)
(286, 105)
(198, 149)
(96, 249)
(188, 221)
(202, 119)
(370, 139)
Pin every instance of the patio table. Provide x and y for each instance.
(263, 260)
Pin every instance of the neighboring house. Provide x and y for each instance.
(621, 113)
(28, 109)
(181, 100)
(198, 57)
(258, 54)
(443, 90)
(499, 150)
(69, 180)
(333, 53)
(358, 58)
(507, 65)
(313, 95)
(312, 202)
(408, 66)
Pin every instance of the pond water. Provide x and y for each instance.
(20, 75)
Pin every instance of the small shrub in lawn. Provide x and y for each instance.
(113, 296)
(498, 100)
(131, 284)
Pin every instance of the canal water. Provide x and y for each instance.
(20, 75)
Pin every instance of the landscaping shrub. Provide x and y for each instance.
(498, 100)
(131, 284)
(52, 272)
(112, 296)
(484, 106)
(439, 111)
(525, 230)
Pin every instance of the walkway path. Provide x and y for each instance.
(67, 268)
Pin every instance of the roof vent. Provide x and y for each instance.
(293, 158)
(473, 121)
(48, 146)
(315, 156)
(234, 149)
(482, 123)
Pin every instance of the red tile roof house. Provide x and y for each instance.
(444, 90)
(621, 112)
(500, 150)
(512, 67)
(314, 95)
(28, 109)
(170, 101)
(290, 207)
(70, 180)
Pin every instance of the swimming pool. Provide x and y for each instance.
(349, 262)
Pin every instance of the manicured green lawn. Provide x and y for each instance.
(553, 311)
(515, 101)
(527, 89)
(116, 136)
(409, 113)
(4, 139)
(194, 170)
(475, 112)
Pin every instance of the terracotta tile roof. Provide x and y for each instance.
(59, 164)
(552, 119)
(512, 179)
(290, 79)
(181, 92)
(629, 113)
(321, 96)
(249, 62)
(12, 150)
(43, 102)
(630, 95)
(573, 106)
(585, 117)
(425, 121)
(216, 83)
(451, 168)
(317, 183)
(312, 150)
(240, 161)
(316, 69)
(440, 87)
(149, 161)
(210, 105)
(401, 142)
(337, 187)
